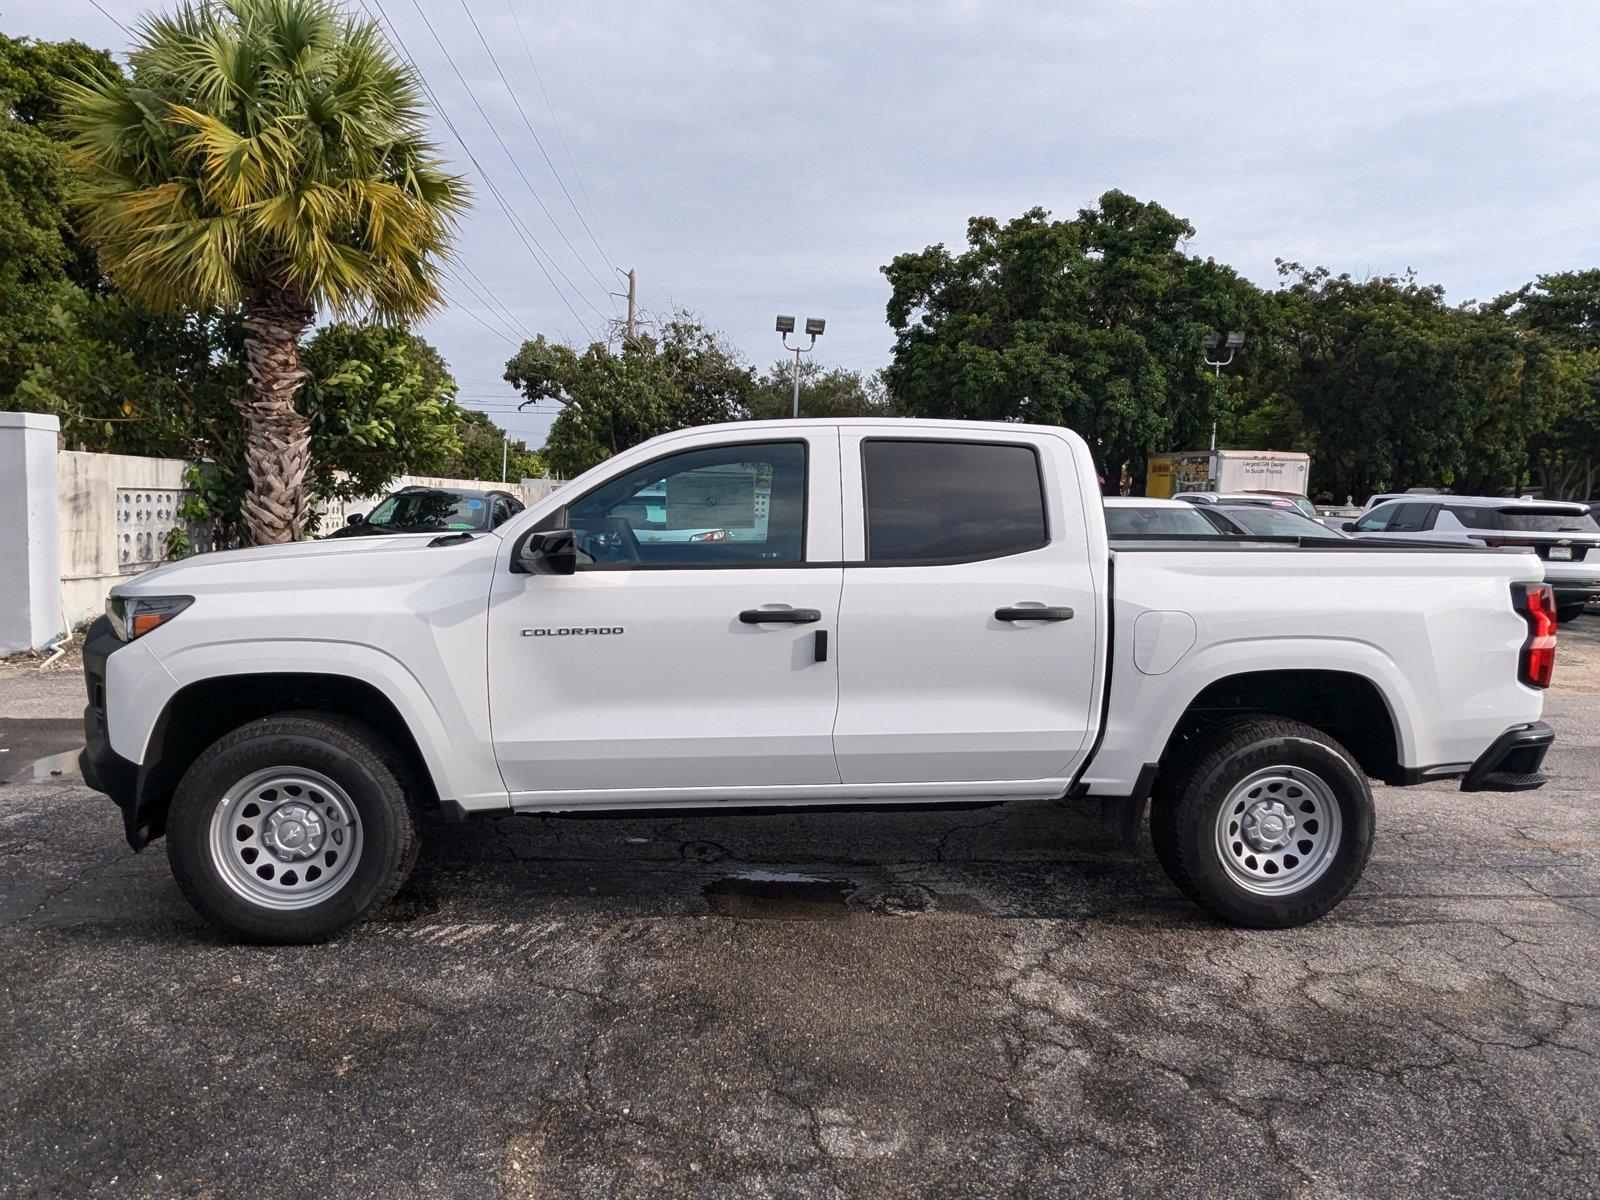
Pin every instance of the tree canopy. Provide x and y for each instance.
(1093, 322)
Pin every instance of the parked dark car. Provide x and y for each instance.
(433, 510)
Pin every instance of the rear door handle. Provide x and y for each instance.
(780, 616)
(1033, 614)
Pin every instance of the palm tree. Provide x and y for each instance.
(268, 154)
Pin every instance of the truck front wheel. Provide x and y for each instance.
(1265, 823)
(292, 828)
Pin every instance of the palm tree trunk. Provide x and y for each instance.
(277, 437)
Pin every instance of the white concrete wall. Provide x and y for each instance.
(30, 594)
(116, 511)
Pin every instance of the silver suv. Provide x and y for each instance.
(1565, 536)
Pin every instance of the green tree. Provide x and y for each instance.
(42, 261)
(1560, 317)
(824, 392)
(684, 376)
(1092, 323)
(482, 445)
(268, 154)
(380, 402)
(1389, 387)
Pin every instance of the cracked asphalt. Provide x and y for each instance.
(990, 1002)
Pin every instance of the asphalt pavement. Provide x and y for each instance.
(987, 1002)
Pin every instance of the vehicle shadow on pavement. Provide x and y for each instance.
(1036, 860)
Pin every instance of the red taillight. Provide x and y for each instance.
(1503, 542)
(1537, 604)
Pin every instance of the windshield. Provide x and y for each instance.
(1131, 521)
(1277, 522)
(429, 512)
(1525, 518)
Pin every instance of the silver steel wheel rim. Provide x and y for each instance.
(285, 838)
(1278, 831)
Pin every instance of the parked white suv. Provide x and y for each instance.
(1565, 536)
(917, 612)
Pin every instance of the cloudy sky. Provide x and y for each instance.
(755, 158)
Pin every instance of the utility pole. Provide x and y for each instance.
(633, 300)
(630, 331)
(505, 453)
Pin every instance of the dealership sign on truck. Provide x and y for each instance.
(1227, 471)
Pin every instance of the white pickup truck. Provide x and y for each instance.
(901, 612)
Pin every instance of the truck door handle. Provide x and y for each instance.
(780, 616)
(1033, 614)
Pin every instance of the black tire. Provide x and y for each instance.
(1570, 612)
(356, 758)
(1189, 797)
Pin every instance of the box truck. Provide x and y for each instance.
(1227, 471)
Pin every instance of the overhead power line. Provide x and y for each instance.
(605, 244)
(112, 19)
(533, 133)
(501, 311)
(516, 226)
(512, 159)
(503, 329)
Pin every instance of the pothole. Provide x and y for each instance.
(774, 897)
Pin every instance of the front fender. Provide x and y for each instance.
(451, 730)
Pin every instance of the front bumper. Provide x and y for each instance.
(1512, 763)
(103, 768)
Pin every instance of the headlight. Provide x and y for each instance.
(135, 616)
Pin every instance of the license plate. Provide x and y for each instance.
(1561, 552)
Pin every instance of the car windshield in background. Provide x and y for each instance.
(1524, 518)
(1130, 521)
(430, 512)
(1277, 522)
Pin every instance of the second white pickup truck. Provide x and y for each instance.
(865, 613)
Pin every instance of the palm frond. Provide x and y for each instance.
(264, 146)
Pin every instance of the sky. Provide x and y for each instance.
(750, 159)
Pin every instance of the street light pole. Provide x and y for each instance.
(814, 327)
(1209, 343)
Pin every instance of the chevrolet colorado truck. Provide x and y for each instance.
(889, 613)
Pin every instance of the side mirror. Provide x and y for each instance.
(355, 519)
(1348, 526)
(554, 552)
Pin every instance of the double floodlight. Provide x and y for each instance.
(1235, 340)
(814, 325)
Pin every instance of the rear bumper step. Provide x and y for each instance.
(1512, 763)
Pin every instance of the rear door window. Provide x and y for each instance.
(1411, 518)
(929, 502)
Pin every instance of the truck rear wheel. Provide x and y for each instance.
(292, 828)
(1266, 823)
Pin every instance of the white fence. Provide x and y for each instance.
(72, 524)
